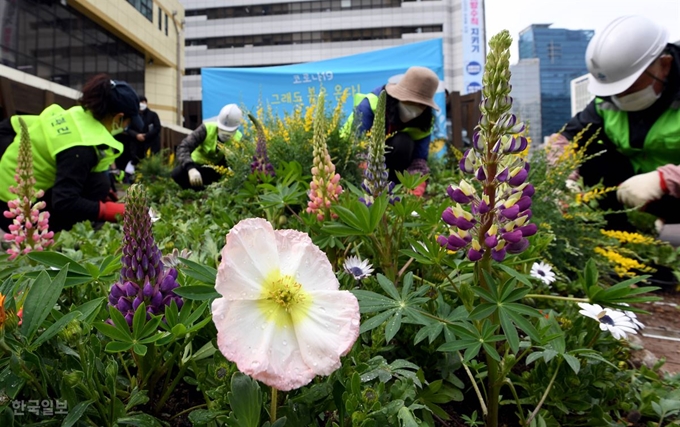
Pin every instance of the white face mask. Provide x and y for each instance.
(116, 129)
(408, 112)
(142, 106)
(637, 101)
(225, 135)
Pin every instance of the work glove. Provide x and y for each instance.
(195, 178)
(108, 211)
(130, 168)
(641, 189)
(420, 189)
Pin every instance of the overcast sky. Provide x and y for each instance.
(516, 15)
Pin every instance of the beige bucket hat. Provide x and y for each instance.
(419, 84)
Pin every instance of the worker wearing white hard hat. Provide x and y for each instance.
(635, 77)
(200, 156)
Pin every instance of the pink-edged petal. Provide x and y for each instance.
(303, 260)
(249, 256)
(328, 329)
(260, 348)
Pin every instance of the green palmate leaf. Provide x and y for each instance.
(573, 362)
(112, 332)
(387, 285)
(348, 217)
(197, 292)
(590, 275)
(40, 299)
(393, 326)
(337, 229)
(376, 320)
(138, 321)
(119, 322)
(117, 346)
(515, 274)
(58, 260)
(377, 210)
(370, 302)
(510, 332)
(109, 265)
(55, 328)
(483, 311)
(139, 349)
(150, 328)
(245, 400)
(90, 309)
(200, 272)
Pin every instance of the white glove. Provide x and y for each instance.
(640, 189)
(130, 168)
(195, 178)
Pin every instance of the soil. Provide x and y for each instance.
(661, 335)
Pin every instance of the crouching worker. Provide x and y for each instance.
(72, 152)
(199, 151)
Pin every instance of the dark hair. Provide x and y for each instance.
(96, 96)
(423, 121)
(142, 99)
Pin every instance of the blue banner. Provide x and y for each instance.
(287, 87)
(473, 45)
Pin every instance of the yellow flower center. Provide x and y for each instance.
(283, 300)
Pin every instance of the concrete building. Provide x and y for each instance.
(526, 96)
(55, 46)
(561, 53)
(252, 33)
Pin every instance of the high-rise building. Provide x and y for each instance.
(526, 96)
(252, 33)
(57, 45)
(562, 58)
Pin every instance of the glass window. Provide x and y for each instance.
(160, 18)
(166, 24)
(145, 7)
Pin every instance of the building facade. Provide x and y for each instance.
(252, 33)
(562, 58)
(526, 96)
(65, 42)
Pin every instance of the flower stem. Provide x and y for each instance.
(557, 297)
(474, 385)
(545, 395)
(272, 411)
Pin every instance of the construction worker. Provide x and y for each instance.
(199, 152)
(72, 152)
(635, 75)
(408, 120)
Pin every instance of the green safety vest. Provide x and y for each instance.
(661, 145)
(414, 133)
(52, 132)
(207, 153)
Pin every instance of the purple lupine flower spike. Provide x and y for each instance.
(143, 278)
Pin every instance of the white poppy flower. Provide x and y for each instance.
(357, 268)
(281, 317)
(614, 321)
(543, 272)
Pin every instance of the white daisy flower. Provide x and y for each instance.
(171, 260)
(632, 316)
(357, 268)
(154, 215)
(616, 322)
(543, 272)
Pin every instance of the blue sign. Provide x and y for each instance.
(284, 88)
(473, 68)
(473, 44)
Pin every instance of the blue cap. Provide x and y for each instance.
(124, 99)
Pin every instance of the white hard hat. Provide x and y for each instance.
(620, 53)
(229, 118)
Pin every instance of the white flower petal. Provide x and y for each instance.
(303, 260)
(329, 330)
(249, 256)
(260, 348)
